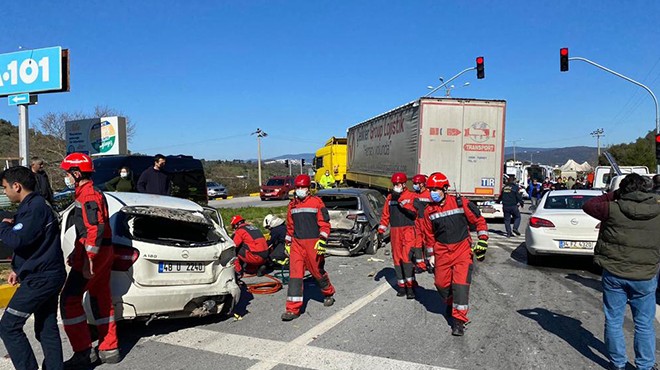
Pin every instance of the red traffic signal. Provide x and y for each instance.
(657, 149)
(563, 59)
(480, 68)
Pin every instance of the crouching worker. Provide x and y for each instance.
(37, 263)
(276, 243)
(251, 247)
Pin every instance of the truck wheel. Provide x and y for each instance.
(374, 243)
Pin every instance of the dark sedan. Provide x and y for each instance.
(354, 218)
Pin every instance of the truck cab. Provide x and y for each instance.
(331, 157)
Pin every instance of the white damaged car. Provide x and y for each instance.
(173, 257)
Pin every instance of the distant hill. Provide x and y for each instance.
(553, 156)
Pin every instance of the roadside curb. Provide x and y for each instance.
(254, 194)
(6, 292)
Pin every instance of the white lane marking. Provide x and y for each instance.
(297, 353)
(273, 353)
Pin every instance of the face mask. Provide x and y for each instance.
(301, 193)
(69, 183)
(436, 196)
(123, 175)
(416, 187)
(398, 189)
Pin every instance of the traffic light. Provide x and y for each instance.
(480, 67)
(563, 59)
(302, 162)
(286, 163)
(657, 149)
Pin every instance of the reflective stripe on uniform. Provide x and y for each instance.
(294, 299)
(461, 307)
(410, 279)
(419, 260)
(482, 232)
(304, 210)
(18, 313)
(446, 213)
(105, 320)
(77, 204)
(429, 251)
(405, 201)
(91, 248)
(324, 234)
(74, 320)
(287, 238)
(401, 281)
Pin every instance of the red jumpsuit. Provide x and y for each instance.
(447, 236)
(307, 221)
(400, 214)
(421, 201)
(91, 220)
(252, 248)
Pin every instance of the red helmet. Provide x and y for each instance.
(236, 220)
(419, 179)
(77, 161)
(437, 180)
(399, 178)
(302, 181)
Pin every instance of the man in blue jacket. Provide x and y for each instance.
(37, 263)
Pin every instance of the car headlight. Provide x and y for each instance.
(277, 190)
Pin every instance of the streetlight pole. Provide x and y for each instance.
(598, 133)
(260, 133)
(449, 80)
(655, 100)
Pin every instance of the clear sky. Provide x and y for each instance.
(197, 77)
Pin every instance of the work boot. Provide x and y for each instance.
(288, 316)
(110, 356)
(410, 293)
(82, 360)
(401, 291)
(457, 328)
(328, 301)
(261, 270)
(515, 231)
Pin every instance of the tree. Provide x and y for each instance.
(639, 153)
(52, 124)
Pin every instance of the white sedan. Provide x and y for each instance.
(173, 257)
(560, 226)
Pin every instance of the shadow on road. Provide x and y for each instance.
(556, 261)
(586, 281)
(430, 299)
(389, 275)
(571, 331)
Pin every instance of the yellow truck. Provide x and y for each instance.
(331, 157)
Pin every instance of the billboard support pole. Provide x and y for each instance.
(23, 134)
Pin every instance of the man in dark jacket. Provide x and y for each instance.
(154, 180)
(37, 263)
(42, 186)
(511, 200)
(276, 243)
(629, 253)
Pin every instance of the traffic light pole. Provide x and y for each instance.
(450, 80)
(655, 100)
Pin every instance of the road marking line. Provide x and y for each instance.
(271, 353)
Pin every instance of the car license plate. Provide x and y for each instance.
(569, 244)
(174, 267)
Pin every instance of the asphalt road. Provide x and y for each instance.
(522, 317)
(240, 202)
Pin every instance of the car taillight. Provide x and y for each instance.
(358, 217)
(540, 222)
(125, 257)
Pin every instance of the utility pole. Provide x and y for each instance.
(514, 149)
(598, 133)
(259, 134)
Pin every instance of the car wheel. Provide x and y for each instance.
(375, 243)
(224, 197)
(532, 260)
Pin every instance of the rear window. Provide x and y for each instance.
(566, 201)
(214, 184)
(164, 226)
(341, 202)
(275, 182)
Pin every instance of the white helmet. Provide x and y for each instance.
(267, 220)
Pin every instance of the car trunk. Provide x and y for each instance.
(347, 221)
(572, 229)
(176, 247)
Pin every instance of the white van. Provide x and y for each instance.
(603, 174)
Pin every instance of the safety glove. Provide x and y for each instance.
(320, 246)
(480, 249)
(287, 249)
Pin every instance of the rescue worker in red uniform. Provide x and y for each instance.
(251, 247)
(91, 264)
(422, 199)
(449, 246)
(399, 213)
(307, 230)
